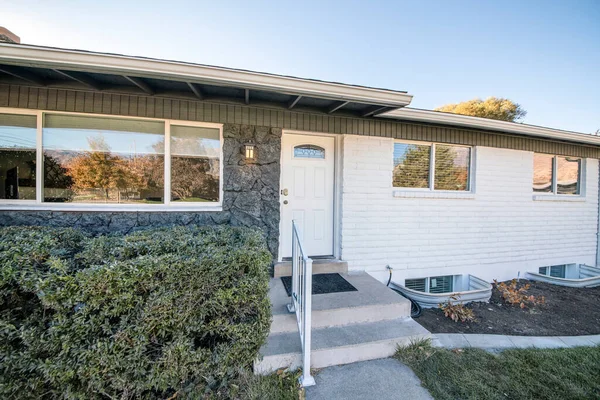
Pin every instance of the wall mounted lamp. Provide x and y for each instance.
(249, 151)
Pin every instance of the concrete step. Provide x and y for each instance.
(284, 268)
(372, 302)
(340, 344)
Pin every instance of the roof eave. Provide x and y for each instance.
(442, 118)
(111, 63)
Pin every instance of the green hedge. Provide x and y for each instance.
(156, 313)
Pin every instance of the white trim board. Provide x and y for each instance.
(443, 118)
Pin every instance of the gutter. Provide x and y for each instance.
(78, 60)
(443, 118)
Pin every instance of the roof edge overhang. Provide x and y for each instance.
(443, 118)
(78, 60)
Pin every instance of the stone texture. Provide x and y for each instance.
(250, 195)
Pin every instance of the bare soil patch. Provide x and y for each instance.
(566, 312)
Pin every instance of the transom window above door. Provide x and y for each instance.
(60, 160)
(432, 166)
(309, 151)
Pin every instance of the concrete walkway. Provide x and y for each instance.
(500, 342)
(383, 379)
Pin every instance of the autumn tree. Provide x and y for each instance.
(493, 108)
(194, 169)
(98, 168)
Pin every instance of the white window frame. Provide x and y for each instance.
(428, 282)
(168, 206)
(549, 270)
(431, 188)
(554, 193)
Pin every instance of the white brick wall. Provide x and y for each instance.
(495, 233)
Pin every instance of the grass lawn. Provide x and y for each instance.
(281, 385)
(512, 374)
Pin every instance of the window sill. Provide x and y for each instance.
(563, 198)
(417, 194)
(107, 208)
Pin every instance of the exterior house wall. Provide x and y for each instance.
(17, 96)
(497, 232)
(377, 229)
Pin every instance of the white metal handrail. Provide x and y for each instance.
(301, 302)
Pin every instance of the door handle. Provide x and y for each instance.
(284, 192)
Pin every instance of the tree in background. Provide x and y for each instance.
(451, 168)
(58, 183)
(492, 108)
(99, 169)
(194, 169)
(412, 170)
(191, 178)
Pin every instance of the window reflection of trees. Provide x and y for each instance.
(194, 169)
(411, 170)
(412, 166)
(451, 168)
(99, 175)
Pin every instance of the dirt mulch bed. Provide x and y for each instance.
(566, 312)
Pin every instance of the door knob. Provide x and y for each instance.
(284, 192)
(285, 202)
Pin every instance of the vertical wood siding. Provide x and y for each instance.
(155, 107)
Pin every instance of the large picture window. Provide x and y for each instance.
(431, 166)
(100, 160)
(103, 160)
(556, 174)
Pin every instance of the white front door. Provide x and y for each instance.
(307, 188)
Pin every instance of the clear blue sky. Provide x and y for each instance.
(544, 55)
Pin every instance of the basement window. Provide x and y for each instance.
(434, 284)
(556, 271)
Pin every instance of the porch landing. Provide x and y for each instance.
(347, 327)
(320, 266)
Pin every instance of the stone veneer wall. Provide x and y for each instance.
(250, 195)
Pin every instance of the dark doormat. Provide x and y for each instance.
(322, 284)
